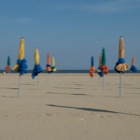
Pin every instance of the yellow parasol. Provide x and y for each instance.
(121, 66)
(21, 65)
(20, 54)
(36, 57)
(37, 68)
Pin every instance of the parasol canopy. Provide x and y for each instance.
(121, 66)
(92, 68)
(48, 65)
(7, 68)
(53, 68)
(133, 67)
(37, 68)
(99, 71)
(104, 66)
(21, 65)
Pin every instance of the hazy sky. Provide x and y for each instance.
(71, 30)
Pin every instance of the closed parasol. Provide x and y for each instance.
(48, 65)
(133, 67)
(8, 67)
(53, 68)
(21, 65)
(92, 68)
(121, 66)
(37, 68)
(99, 71)
(104, 66)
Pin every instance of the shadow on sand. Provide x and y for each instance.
(92, 109)
(77, 94)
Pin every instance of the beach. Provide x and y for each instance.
(70, 107)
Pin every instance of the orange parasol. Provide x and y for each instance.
(48, 66)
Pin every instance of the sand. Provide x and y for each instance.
(69, 107)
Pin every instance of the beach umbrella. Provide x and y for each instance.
(48, 65)
(37, 68)
(92, 68)
(104, 66)
(99, 70)
(121, 66)
(21, 65)
(133, 67)
(7, 68)
(53, 68)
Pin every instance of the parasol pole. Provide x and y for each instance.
(103, 82)
(7, 68)
(19, 86)
(103, 61)
(100, 65)
(38, 81)
(21, 65)
(132, 68)
(103, 65)
(37, 68)
(121, 66)
(131, 74)
(120, 85)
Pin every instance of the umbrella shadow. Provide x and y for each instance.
(8, 88)
(4, 96)
(13, 88)
(77, 94)
(92, 110)
(133, 93)
(28, 84)
(69, 87)
(109, 96)
(76, 84)
(54, 93)
(132, 87)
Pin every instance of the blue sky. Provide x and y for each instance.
(71, 30)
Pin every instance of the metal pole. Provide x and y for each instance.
(121, 84)
(19, 87)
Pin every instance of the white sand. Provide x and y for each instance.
(69, 107)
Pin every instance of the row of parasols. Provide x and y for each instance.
(21, 64)
(120, 67)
